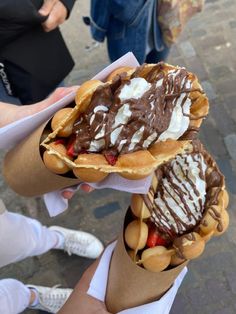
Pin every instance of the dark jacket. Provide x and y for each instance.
(125, 25)
(35, 61)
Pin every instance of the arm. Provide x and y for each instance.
(11, 113)
(80, 302)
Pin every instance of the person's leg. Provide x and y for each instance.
(15, 297)
(155, 56)
(22, 237)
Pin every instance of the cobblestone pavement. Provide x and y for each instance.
(207, 47)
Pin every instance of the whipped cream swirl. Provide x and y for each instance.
(127, 116)
(181, 194)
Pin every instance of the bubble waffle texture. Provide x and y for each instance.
(134, 165)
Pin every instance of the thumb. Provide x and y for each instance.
(58, 94)
(47, 7)
(54, 97)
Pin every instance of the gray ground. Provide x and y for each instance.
(207, 47)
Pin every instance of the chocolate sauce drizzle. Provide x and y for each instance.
(178, 244)
(176, 187)
(150, 114)
(181, 195)
(190, 134)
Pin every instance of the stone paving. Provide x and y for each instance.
(207, 47)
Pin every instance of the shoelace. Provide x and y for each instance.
(75, 244)
(53, 299)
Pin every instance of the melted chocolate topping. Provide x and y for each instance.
(190, 134)
(149, 116)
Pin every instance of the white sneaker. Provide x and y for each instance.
(50, 299)
(79, 242)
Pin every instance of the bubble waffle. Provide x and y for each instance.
(132, 122)
(187, 206)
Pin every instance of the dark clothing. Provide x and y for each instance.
(17, 17)
(69, 5)
(126, 26)
(35, 62)
(155, 56)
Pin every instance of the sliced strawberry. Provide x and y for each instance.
(152, 238)
(111, 159)
(71, 151)
(161, 241)
(155, 239)
(70, 147)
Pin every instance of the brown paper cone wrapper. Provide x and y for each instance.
(25, 172)
(130, 285)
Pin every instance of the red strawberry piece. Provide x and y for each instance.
(161, 241)
(70, 147)
(154, 238)
(60, 141)
(71, 151)
(111, 159)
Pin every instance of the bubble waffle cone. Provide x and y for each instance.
(137, 149)
(153, 248)
(25, 172)
(130, 285)
(185, 207)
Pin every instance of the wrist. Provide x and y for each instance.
(9, 114)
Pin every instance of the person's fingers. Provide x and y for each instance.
(67, 194)
(47, 7)
(56, 17)
(14, 113)
(86, 188)
(58, 94)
